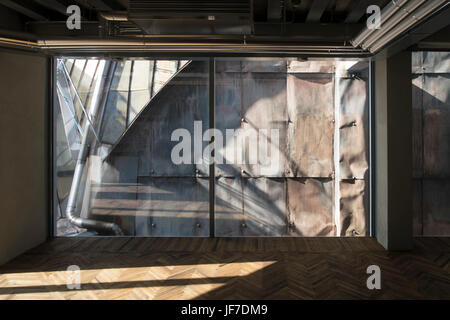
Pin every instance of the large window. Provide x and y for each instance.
(225, 147)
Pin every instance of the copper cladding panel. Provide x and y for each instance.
(311, 127)
(310, 207)
(353, 129)
(354, 213)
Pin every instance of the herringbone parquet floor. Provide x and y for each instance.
(250, 268)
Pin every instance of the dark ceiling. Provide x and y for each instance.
(330, 21)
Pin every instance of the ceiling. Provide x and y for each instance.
(317, 23)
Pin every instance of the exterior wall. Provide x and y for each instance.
(24, 205)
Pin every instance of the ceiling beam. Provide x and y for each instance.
(357, 10)
(274, 10)
(21, 7)
(53, 5)
(316, 11)
(100, 5)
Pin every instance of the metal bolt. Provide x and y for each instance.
(354, 123)
(244, 225)
(243, 120)
(198, 225)
(153, 225)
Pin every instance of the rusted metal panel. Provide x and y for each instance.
(417, 207)
(310, 207)
(228, 114)
(228, 65)
(113, 196)
(254, 105)
(311, 127)
(229, 207)
(310, 66)
(265, 211)
(436, 204)
(173, 207)
(417, 62)
(436, 130)
(417, 133)
(436, 62)
(264, 65)
(182, 102)
(251, 207)
(354, 128)
(265, 116)
(354, 203)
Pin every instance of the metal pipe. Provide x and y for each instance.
(81, 162)
(418, 15)
(406, 10)
(114, 16)
(387, 12)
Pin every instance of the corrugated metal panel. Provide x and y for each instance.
(311, 127)
(310, 207)
(354, 133)
(173, 207)
(354, 208)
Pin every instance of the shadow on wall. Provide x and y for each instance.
(147, 195)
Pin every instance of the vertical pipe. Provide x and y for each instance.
(81, 162)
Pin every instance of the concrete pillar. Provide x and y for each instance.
(393, 152)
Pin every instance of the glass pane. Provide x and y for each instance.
(120, 120)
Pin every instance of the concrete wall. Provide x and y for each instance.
(24, 106)
(393, 140)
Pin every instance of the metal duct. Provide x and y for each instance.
(391, 8)
(404, 12)
(191, 17)
(200, 9)
(397, 17)
(417, 16)
(81, 162)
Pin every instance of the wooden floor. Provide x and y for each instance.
(264, 268)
